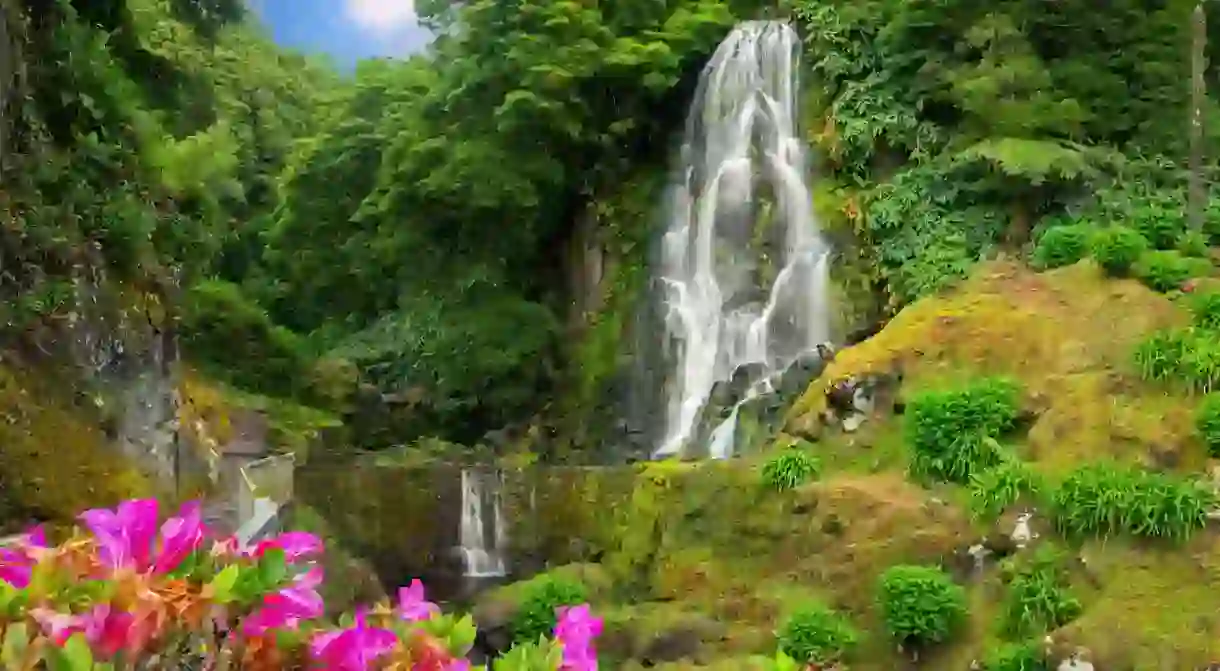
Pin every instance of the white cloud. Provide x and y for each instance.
(383, 17)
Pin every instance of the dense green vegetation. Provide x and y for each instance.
(370, 218)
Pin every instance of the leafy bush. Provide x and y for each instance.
(223, 606)
(1117, 249)
(221, 327)
(1205, 307)
(1062, 245)
(1167, 270)
(992, 491)
(790, 469)
(1028, 656)
(920, 605)
(1187, 356)
(1194, 244)
(948, 429)
(1207, 422)
(536, 614)
(1039, 599)
(815, 634)
(1104, 499)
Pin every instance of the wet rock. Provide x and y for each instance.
(683, 641)
(494, 617)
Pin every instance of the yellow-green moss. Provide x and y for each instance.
(53, 462)
(1067, 335)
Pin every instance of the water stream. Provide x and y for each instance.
(744, 266)
(482, 547)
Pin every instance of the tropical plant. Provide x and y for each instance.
(123, 596)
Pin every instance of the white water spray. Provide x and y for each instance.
(740, 208)
(482, 558)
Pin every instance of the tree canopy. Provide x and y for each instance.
(411, 218)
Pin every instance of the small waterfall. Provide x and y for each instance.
(481, 546)
(744, 268)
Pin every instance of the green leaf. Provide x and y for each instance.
(77, 654)
(222, 584)
(16, 641)
(272, 568)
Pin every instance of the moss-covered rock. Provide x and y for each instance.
(54, 462)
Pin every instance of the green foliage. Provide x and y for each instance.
(1062, 246)
(1207, 422)
(535, 616)
(1189, 357)
(993, 490)
(1028, 656)
(952, 432)
(920, 605)
(1194, 244)
(1118, 248)
(1205, 308)
(221, 326)
(1104, 499)
(1168, 270)
(790, 469)
(1039, 598)
(815, 634)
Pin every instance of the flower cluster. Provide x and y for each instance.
(127, 593)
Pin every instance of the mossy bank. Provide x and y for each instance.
(700, 564)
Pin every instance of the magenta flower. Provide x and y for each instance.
(126, 535)
(295, 544)
(352, 649)
(105, 629)
(287, 608)
(412, 606)
(575, 629)
(17, 562)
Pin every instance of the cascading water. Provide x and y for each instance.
(481, 550)
(744, 267)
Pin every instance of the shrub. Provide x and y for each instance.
(1205, 308)
(536, 615)
(948, 429)
(1062, 245)
(815, 634)
(1167, 270)
(1039, 599)
(1159, 357)
(221, 605)
(992, 491)
(1207, 422)
(1028, 656)
(221, 327)
(1188, 356)
(920, 605)
(1104, 499)
(790, 469)
(1194, 244)
(1117, 249)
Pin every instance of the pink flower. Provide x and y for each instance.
(295, 544)
(17, 562)
(352, 649)
(575, 629)
(411, 603)
(287, 608)
(126, 535)
(106, 630)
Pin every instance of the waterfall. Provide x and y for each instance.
(744, 268)
(481, 550)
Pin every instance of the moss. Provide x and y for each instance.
(54, 462)
(207, 405)
(1067, 335)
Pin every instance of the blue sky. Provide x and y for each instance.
(346, 29)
